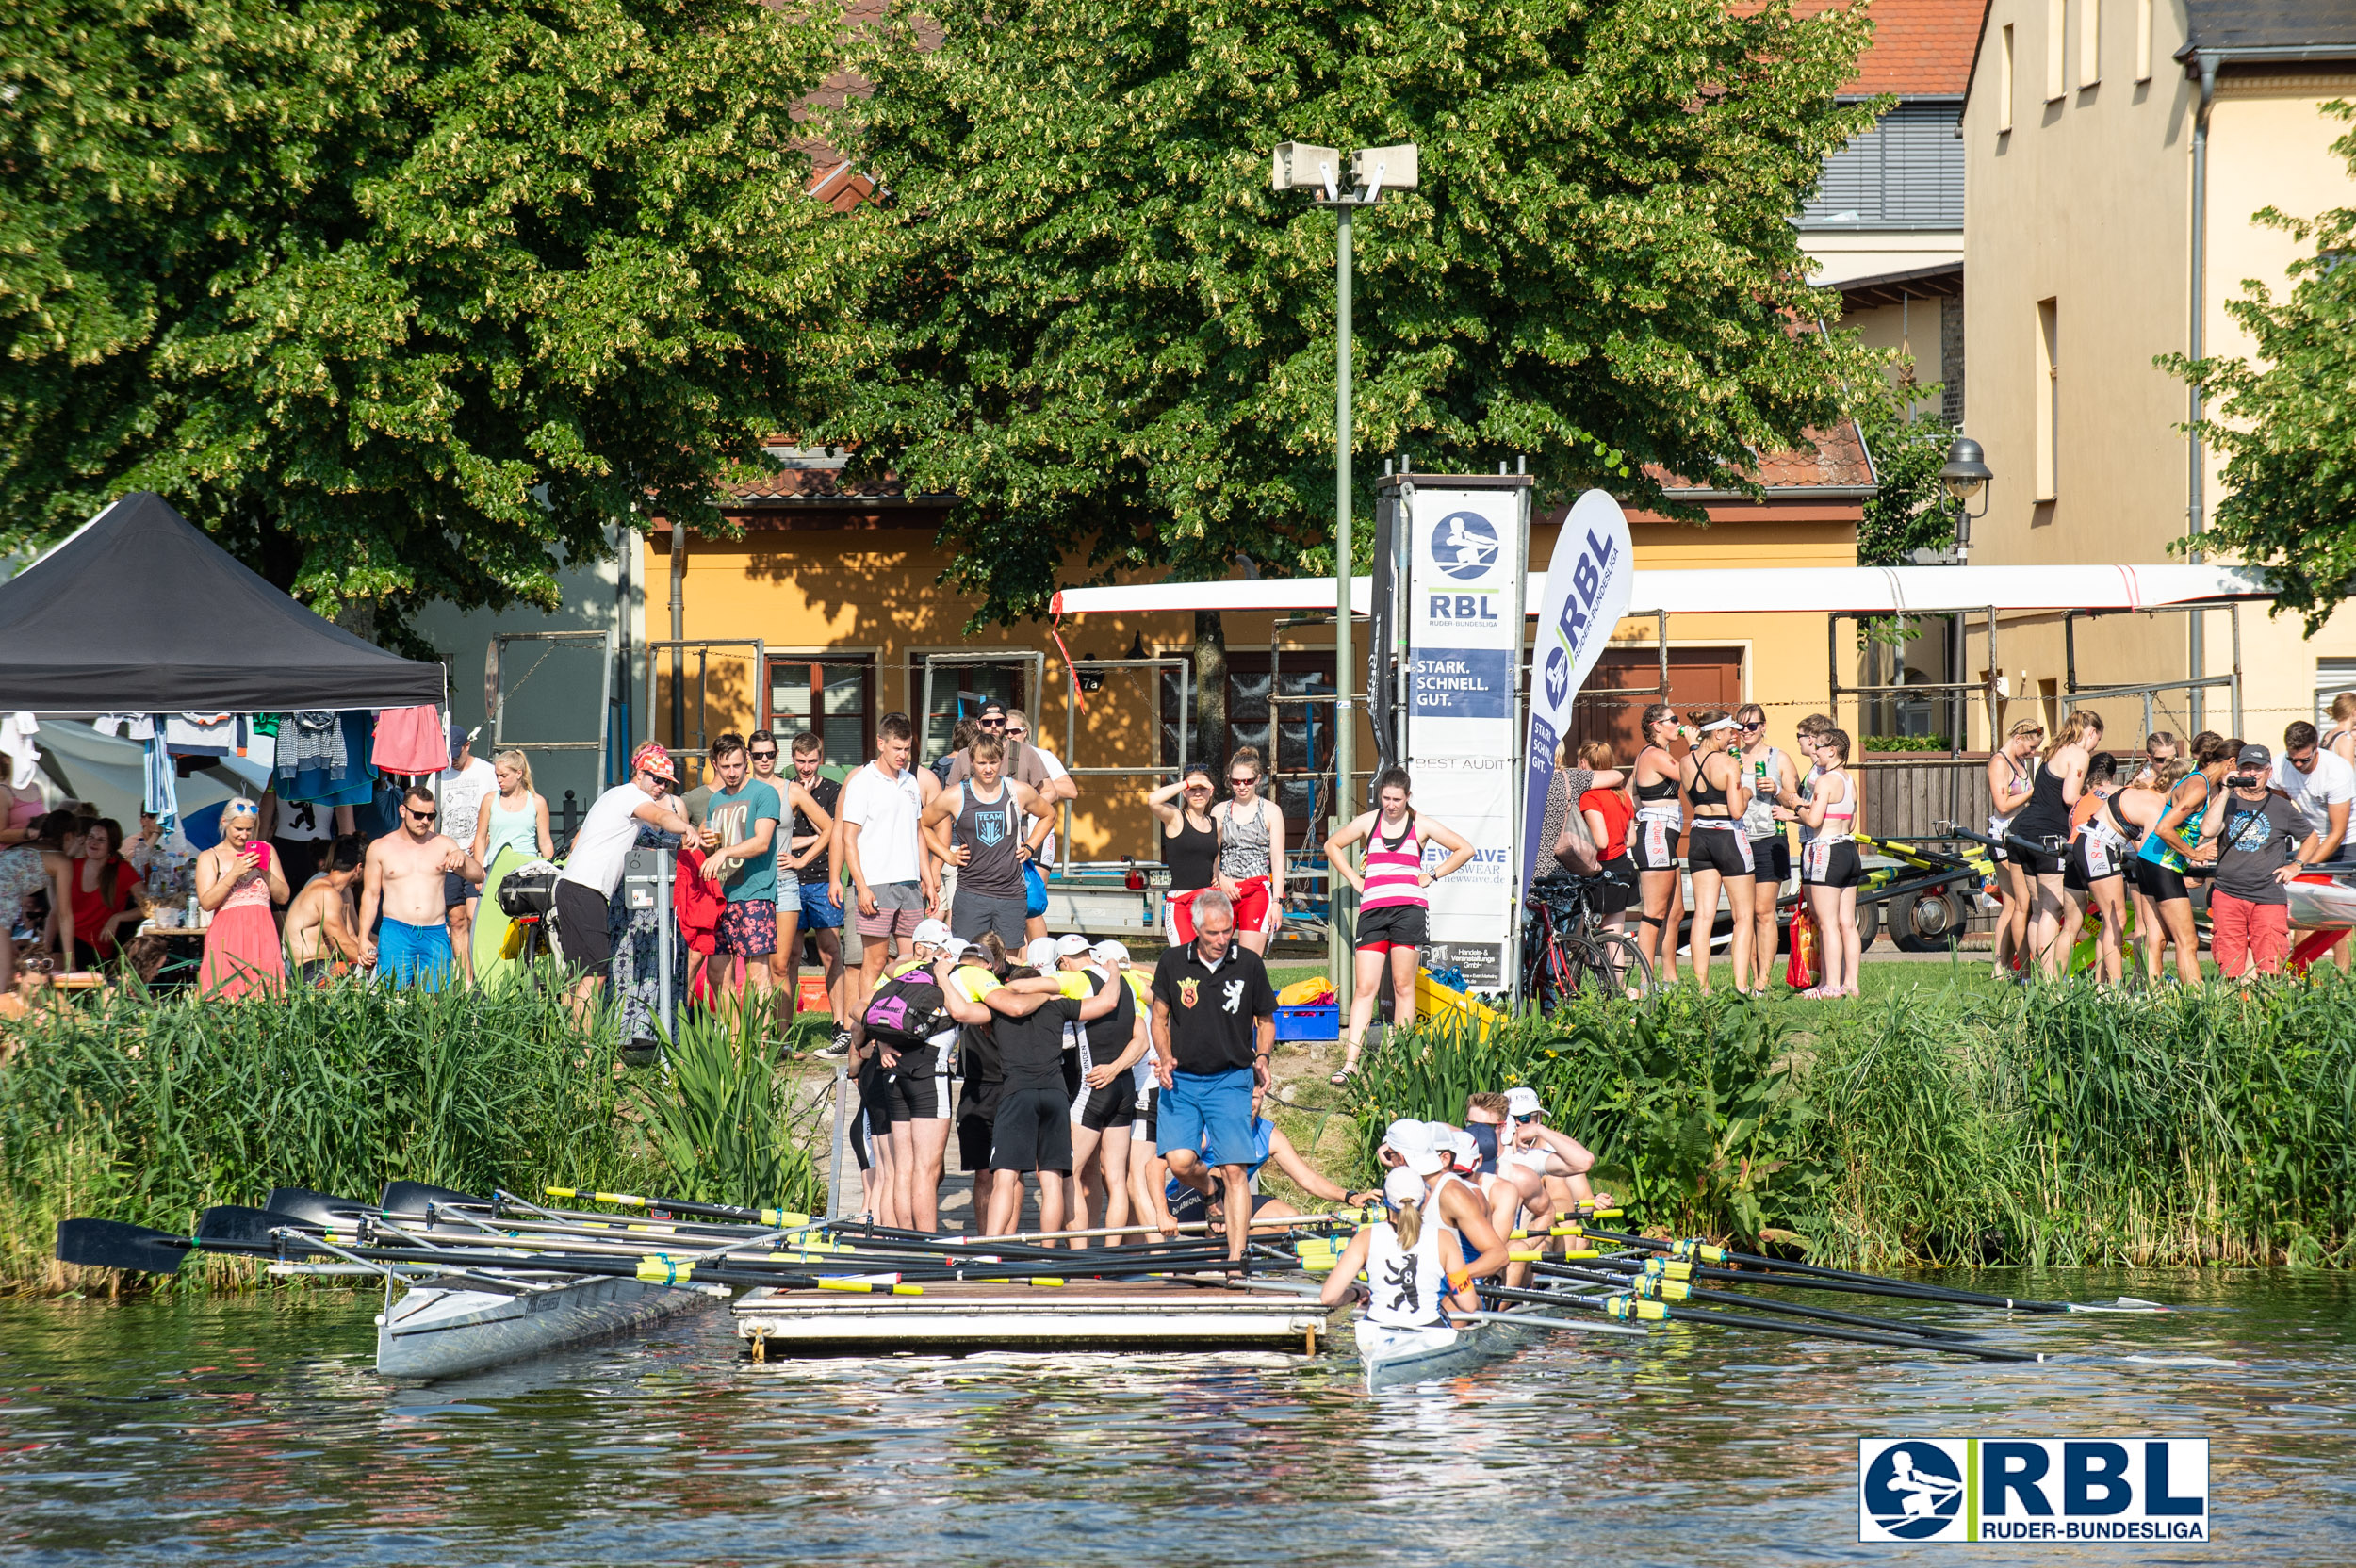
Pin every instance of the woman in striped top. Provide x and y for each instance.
(1392, 904)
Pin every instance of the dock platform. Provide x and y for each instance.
(957, 1317)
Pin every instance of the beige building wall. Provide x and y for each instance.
(2078, 252)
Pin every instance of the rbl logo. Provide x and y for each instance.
(1464, 608)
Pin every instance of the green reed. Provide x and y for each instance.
(2054, 1125)
(149, 1110)
(721, 1124)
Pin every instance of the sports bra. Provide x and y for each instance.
(1843, 809)
(1703, 793)
(1662, 793)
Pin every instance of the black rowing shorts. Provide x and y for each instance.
(1114, 1106)
(2160, 884)
(920, 1086)
(1652, 843)
(1724, 850)
(1831, 865)
(1032, 1131)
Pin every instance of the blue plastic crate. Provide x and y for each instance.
(1309, 1023)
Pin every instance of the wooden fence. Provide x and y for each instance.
(1908, 795)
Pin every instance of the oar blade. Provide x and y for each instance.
(235, 1223)
(412, 1198)
(112, 1244)
(314, 1208)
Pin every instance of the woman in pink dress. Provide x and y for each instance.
(236, 881)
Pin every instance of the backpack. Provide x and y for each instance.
(907, 1010)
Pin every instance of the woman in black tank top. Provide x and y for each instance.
(1653, 841)
(1189, 846)
(1718, 849)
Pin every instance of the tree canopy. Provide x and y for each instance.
(1108, 335)
(2285, 418)
(399, 299)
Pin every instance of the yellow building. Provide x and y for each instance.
(2116, 152)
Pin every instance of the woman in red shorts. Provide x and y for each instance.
(1190, 848)
(1251, 852)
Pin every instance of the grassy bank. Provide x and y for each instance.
(2047, 1125)
(149, 1111)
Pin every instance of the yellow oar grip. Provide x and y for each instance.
(1045, 1280)
(664, 1271)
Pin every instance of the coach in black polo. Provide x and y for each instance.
(1214, 1026)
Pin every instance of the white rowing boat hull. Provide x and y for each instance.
(434, 1332)
(1393, 1356)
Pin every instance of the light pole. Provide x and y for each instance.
(1299, 166)
(1966, 475)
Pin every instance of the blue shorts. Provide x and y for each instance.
(818, 914)
(1033, 892)
(414, 956)
(1219, 1103)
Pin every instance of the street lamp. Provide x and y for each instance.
(1965, 476)
(1305, 165)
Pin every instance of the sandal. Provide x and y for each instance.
(1341, 1080)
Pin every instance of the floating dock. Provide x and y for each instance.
(957, 1317)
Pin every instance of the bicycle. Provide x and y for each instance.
(1566, 948)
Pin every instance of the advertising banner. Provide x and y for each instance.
(1588, 583)
(1467, 545)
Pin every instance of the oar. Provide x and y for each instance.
(1677, 1290)
(109, 1244)
(1632, 1307)
(1532, 1320)
(681, 1205)
(1705, 1252)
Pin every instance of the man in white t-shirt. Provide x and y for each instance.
(467, 783)
(2321, 786)
(592, 867)
(892, 871)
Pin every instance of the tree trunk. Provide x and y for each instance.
(1210, 690)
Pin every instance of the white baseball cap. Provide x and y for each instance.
(1467, 1152)
(1523, 1101)
(1071, 946)
(1412, 1141)
(956, 947)
(932, 933)
(1110, 951)
(1403, 1186)
(1041, 954)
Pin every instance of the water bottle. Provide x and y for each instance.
(195, 913)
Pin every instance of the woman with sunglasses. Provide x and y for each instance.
(238, 880)
(2011, 783)
(1549, 1167)
(1189, 847)
(1652, 841)
(1251, 852)
(1770, 773)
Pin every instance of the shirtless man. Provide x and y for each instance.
(323, 925)
(404, 879)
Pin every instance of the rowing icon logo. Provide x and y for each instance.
(1187, 991)
(1912, 1491)
(1464, 545)
(1557, 676)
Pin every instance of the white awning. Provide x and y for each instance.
(1810, 590)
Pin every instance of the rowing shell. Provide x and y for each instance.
(1391, 1356)
(438, 1332)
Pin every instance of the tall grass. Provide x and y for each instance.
(2053, 1125)
(150, 1110)
(722, 1125)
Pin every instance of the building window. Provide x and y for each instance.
(1295, 738)
(2048, 398)
(2333, 676)
(834, 697)
(1907, 173)
(959, 689)
(2004, 82)
(2143, 41)
(2089, 43)
(2056, 34)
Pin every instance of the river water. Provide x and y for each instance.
(252, 1429)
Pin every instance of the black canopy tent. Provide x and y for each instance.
(138, 611)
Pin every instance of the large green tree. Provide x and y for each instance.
(404, 299)
(1106, 334)
(2285, 418)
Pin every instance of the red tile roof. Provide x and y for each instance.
(1920, 48)
(1837, 460)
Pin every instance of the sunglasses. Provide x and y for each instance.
(992, 723)
(1752, 728)
(761, 756)
(417, 816)
(1527, 1117)
(1239, 783)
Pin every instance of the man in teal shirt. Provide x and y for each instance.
(740, 851)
